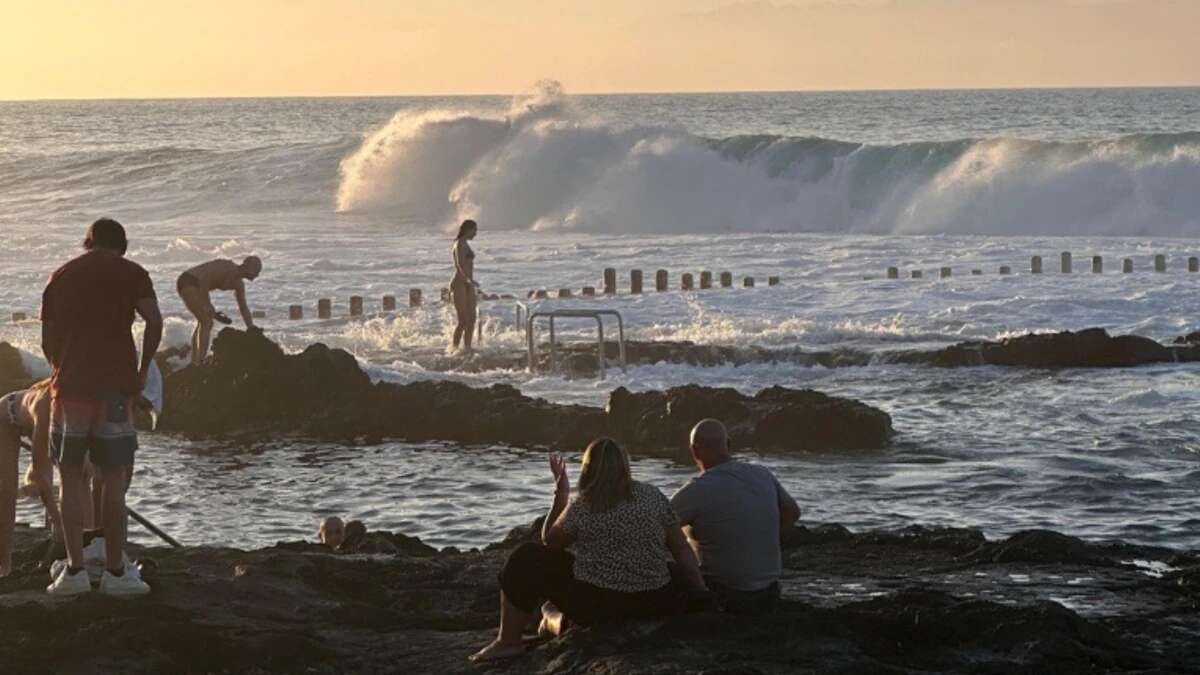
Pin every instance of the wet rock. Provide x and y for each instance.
(882, 602)
(1090, 348)
(13, 374)
(775, 419)
(1043, 546)
(249, 388)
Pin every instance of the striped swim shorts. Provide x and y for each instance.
(99, 430)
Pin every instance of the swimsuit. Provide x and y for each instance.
(187, 280)
(11, 405)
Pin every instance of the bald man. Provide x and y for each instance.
(195, 287)
(732, 513)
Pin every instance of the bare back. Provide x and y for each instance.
(218, 275)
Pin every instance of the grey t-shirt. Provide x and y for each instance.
(733, 513)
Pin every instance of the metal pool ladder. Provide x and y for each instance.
(596, 314)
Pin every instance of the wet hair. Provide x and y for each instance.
(355, 532)
(467, 226)
(108, 234)
(604, 480)
(253, 260)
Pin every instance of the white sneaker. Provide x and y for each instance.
(66, 584)
(126, 584)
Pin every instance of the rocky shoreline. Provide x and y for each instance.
(889, 601)
(251, 388)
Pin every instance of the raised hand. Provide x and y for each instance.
(558, 467)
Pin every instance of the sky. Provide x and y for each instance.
(170, 48)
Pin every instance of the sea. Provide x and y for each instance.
(825, 190)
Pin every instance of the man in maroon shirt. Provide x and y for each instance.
(87, 319)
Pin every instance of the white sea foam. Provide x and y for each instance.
(544, 166)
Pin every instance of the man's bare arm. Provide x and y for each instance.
(239, 292)
(147, 308)
(49, 342)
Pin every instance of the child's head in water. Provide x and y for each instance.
(332, 532)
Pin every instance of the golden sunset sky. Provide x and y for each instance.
(167, 48)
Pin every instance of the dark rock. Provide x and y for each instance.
(250, 388)
(13, 374)
(774, 419)
(1043, 546)
(1090, 348)
(882, 602)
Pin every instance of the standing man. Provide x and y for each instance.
(87, 320)
(196, 284)
(732, 513)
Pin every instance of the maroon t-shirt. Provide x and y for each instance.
(90, 304)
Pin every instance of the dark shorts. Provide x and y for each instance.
(96, 430)
(185, 281)
(535, 573)
(744, 602)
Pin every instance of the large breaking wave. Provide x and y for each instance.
(543, 166)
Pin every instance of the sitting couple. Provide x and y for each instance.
(605, 553)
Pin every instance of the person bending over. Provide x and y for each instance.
(25, 414)
(733, 512)
(603, 557)
(88, 310)
(463, 287)
(196, 285)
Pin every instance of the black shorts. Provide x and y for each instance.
(535, 573)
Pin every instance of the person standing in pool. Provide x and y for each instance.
(463, 287)
(195, 285)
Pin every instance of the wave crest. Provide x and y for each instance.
(544, 166)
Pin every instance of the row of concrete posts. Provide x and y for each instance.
(1066, 266)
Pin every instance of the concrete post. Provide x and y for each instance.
(588, 291)
(414, 297)
(564, 292)
(1066, 262)
(610, 281)
(444, 294)
(726, 280)
(389, 303)
(258, 314)
(748, 282)
(917, 274)
(635, 282)
(1127, 266)
(1005, 270)
(18, 317)
(356, 305)
(705, 281)
(1194, 264)
(296, 312)
(1160, 263)
(772, 281)
(976, 273)
(893, 272)
(661, 281)
(324, 308)
(945, 272)
(1035, 264)
(1097, 264)
(686, 283)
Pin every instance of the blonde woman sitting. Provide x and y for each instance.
(603, 557)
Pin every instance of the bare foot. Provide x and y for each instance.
(554, 622)
(497, 651)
